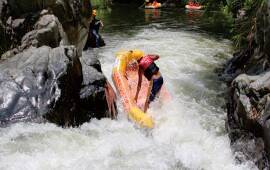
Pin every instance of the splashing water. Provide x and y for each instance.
(189, 132)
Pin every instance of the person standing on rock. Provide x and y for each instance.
(151, 71)
(95, 25)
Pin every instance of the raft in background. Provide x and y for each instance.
(194, 7)
(153, 6)
(125, 78)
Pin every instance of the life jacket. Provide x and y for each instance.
(95, 24)
(145, 62)
(148, 66)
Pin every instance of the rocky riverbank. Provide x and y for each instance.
(248, 77)
(44, 76)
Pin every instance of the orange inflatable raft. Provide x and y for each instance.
(125, 78)
(194, 7)
(154, 5)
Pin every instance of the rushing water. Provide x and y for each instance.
(190, 130)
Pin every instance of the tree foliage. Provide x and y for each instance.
(245, 18)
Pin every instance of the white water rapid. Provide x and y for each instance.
(189, 133)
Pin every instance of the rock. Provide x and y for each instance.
(3, 9)
(52, 84)
(40, 82)
(47, 32)
(9, 54)
(249, 115)
(16, 28)
(42, 77)
(91, 41)
(96, 91)
(249, 147)
(75, 17)
(21, 16)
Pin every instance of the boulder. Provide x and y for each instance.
(48, 31)
(40, 82)
(52, 83)
(42, 77)
(250, 103)
(20, 17)
(95, 91)
(249, 116)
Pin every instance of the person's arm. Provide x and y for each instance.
(101, 24)
(139, 83)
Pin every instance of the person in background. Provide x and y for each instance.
(155, 3)
(193, 3)
(151, 71)
(147, 2)
(95, 25)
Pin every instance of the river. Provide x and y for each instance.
(190, 130)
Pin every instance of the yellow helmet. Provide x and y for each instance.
(137, 54)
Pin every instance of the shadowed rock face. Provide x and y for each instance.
(95, 89)
(42, 75)
(248, 117)
(248, 76)
(20, 17)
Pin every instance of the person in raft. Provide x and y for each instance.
(151, 71)
(94, 26)
(147, 2)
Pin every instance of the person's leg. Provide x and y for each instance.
(157, 84)
(96, 37)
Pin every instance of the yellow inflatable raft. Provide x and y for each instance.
(123, 75)
(125, 78)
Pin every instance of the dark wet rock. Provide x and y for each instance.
(51, 83)
(42, 77)
(47, 32)
(91, 41)
(20, 17)
(16, 28)
(250, 102)
(40, 82)
(91, 60)
(2, 2)
(95, 90)
(248, 115)
(248, 147)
